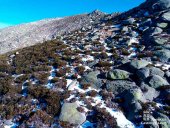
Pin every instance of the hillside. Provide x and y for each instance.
(29, 34)
(114, 73)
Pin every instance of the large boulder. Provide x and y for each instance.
(69, 113)
(137, 64)
(119, 86)
(156, 81)
(92, 79)
(117, 74)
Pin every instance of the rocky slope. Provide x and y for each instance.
(29, 34)
(114, 74)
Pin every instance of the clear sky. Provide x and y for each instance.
(14, 12)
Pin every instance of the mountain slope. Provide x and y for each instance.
(25, 35)
(114, 74)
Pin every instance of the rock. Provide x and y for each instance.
(143, 73)
(117, 74)
(94, 38)
(157, 40)
(162, 25)
(119, 86)
(162, 119)
(164, 55)
(156, 81)
(92, 79)
(69, 113)
(147, 22)
(135, 107)
(166, 16)
(132, 98)
(134, 94)
(125, 29)
(156, 71)
(128, 21)
(149, 92)
(153, 31)
(167, 74)
(137, 64)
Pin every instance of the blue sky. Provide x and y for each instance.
(14, 12)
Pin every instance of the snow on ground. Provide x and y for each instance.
(163, 66)
(88, 58)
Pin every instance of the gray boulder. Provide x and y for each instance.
(162, 25)
(132, 98)
(156, 81)
(153, 31)
(137, 64)
(157, 40)
(117, 74)
(128, 21)
(69, 113)
(156, 71)
(167, 74)
(119, 86)
(143, 73)
(92, 79)
(164, 55)
(149, 92)
(166, 16)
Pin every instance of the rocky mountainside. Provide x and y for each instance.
(113, 74)
(29, 34)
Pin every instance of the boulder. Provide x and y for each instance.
(92, 79)
(149, 92)
(156, 81)
(132, 98)
(137, 64)
(153, 31)
(143, 73)
(128, 21)
(119, 86)
(162, 25)
(164, 55)
(166, 16)
(156, 71)
(157, 40)
(117, 74)
(69, 113)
